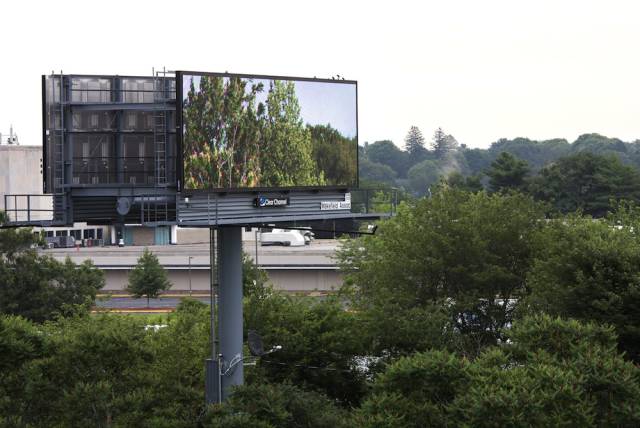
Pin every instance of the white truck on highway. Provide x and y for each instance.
(286, 237)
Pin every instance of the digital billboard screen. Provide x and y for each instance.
(250, 131)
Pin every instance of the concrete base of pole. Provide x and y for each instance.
(212, 381)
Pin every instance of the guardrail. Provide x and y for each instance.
(381, 201)
(33, 210)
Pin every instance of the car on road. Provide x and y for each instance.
(286, 237)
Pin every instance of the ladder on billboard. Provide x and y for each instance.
(57, 124)
(56, 117)
(160, 131)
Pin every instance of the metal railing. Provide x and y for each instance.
(119, 96)
(379, 201)
(34, 209)
(157, 210)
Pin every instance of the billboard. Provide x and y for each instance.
(244, 132)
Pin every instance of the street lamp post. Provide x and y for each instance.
(190, 257)
(257, 232)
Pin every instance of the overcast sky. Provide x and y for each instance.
(482, 70)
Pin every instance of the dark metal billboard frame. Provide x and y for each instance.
(97, 202)
(179, 75)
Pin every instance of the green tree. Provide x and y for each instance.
(254, 279)
(537, 154)
(470, 183)
(320, 344)
(478, 160)
(586, 182)
(414, 143)
(104, 370)
(79, 371)
(223, 133)
(21, 341)
(175, 375)
(424, 176)
(334, 155)
(507, 172)
(443, 143)
(600, 145)
(606, 383)
(416, 391)
(231, 140)
(287, 152)
(590, 270)
(373, 172)
(148, 278)
(275, 405)
(465, 253)
(387, 153)
(38, 287)
(556, 373)
(13, 240)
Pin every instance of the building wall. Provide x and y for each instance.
(192, 235)
(198, 235)
(143, 236)
(305, 280)
(20, 174)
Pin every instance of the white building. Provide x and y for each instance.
(21, 173)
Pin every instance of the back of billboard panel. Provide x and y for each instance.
(259, 132)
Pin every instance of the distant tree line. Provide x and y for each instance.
(584, 174)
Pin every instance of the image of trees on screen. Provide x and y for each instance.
(257, 132)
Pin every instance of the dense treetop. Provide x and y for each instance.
(39, 287)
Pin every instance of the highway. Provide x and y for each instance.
(318, 253)
(310, 270)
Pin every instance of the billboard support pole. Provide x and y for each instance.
(230, 308)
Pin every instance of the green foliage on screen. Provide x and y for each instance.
(235, 137)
